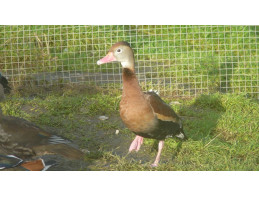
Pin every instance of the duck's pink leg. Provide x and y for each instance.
(136, 144)
(160, 147)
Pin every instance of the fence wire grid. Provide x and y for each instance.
(181, 61)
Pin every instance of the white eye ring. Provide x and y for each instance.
(119, 50)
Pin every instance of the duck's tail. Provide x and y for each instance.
(181, 135)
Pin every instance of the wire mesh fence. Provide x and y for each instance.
(175, 60)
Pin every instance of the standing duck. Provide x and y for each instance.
(145, 114)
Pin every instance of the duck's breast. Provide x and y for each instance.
(137, 115)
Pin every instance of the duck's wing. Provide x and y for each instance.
(9, 161)
(162, 110)
(166, 115)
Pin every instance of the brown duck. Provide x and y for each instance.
(145, 114)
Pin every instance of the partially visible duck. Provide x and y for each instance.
(11, 161)
(24, 139)
(4, 88)
(145, 114)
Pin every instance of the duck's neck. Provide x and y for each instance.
(131, 87)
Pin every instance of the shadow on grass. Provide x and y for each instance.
(201, 117)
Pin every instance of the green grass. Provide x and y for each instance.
(222, 129)
(207, 58)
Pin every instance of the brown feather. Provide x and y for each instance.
(36, 165)
(162, 110)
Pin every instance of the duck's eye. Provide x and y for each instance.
(118, 50)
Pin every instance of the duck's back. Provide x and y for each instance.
(19, 136)
(24, 139)
(22, 131)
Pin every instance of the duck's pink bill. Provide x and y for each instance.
(106, 59)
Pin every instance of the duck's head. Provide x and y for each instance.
(120, 52)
